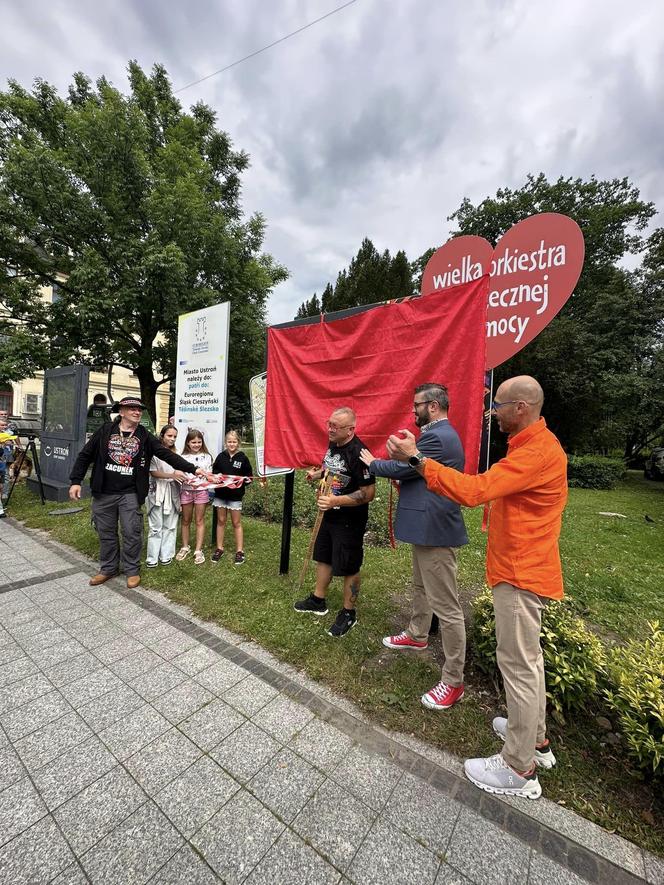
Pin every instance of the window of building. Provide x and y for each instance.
(56, 294)
(32, 404)
(6, 401)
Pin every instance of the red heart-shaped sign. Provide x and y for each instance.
(534, 270)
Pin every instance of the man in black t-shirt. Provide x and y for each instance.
(339, 545)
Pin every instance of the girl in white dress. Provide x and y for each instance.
(163, 504)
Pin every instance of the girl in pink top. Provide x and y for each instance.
(194, 501)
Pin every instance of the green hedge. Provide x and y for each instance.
(635, 694)
(574, 658)
(594, 472)
(625, 682)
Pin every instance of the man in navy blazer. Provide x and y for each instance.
(434, 526)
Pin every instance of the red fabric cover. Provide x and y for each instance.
(371, 362)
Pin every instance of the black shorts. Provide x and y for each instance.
(340, 544)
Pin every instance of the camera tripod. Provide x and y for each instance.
(18, 464)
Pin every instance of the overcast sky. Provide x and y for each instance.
(380, 119)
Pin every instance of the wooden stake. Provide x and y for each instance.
(324, 487)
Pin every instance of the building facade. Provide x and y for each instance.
(23, 399)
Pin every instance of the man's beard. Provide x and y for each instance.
(422, 418)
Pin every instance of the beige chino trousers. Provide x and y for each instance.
(519, 655)
(435, 590)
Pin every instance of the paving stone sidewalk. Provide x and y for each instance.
(139, 745)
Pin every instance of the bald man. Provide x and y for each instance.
(339, 547)
(527, 493)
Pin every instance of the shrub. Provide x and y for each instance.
(483, 633)
(635, 695)
(594, 472)
(573, 656)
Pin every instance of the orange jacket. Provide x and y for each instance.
(528, 491)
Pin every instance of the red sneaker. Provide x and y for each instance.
(442, 696)
(403, 640)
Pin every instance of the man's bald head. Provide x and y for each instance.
(525, 389)
(518, 404)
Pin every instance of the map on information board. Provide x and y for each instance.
(257, 397)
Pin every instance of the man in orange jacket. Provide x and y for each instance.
(527, 491)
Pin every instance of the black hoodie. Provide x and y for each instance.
(94, 452)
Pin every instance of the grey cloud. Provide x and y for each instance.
(380, 119)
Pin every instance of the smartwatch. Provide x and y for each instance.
(416, 460)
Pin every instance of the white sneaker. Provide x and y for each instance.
(494, 775)
(543, 758)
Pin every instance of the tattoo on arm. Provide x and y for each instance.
(358, 497)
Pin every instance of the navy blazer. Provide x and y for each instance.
(422, 516)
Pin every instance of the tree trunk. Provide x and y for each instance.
(148, 392)
(632, 447)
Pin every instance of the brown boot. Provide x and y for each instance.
(133, 581)
(100, 579)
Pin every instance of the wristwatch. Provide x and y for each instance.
(416, 460)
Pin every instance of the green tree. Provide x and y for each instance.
(309, 308)
(327, 299)
(644, 419)
(417, 267)
(371, 277)
(590, 358)
(132, 206)
(400, 277)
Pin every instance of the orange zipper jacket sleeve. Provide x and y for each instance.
(528, 491)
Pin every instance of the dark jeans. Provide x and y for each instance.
(106, 511)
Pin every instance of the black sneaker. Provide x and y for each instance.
(311, 605)
(218, 553)
(345, 620)
(239, 558)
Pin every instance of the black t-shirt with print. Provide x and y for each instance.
(123, 447)
(348, 474)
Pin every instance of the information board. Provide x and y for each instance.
(202, 369)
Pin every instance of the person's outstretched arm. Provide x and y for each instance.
(520, 471)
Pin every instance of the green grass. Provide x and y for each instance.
(614, 569)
